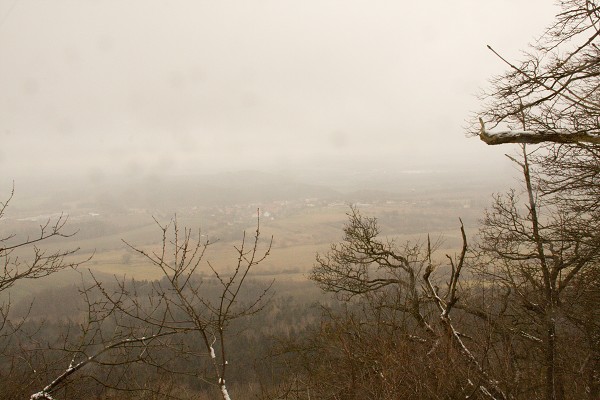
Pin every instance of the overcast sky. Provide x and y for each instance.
(175, 86)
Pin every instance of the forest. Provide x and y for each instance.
(511, 312)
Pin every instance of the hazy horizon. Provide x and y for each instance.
(144, 88)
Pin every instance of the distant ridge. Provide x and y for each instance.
(168, 192)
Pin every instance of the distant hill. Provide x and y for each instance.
(163, 192)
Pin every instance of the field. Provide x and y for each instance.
(302, 220)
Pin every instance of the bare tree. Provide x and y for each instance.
(185, 312)
(401, 283)
(546, 256)
(555, 87)
(539, 264)
(126, 325)
(23, 258)
(524, 324)
(101, 347)
(41, 262)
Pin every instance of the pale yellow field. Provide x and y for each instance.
(296, 241)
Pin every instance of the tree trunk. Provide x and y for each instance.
(554, 378)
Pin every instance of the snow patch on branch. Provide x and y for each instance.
(41, 396)
(525, 136)
(224, 392)
(530, 337)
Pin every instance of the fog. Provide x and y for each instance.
(150, 87)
